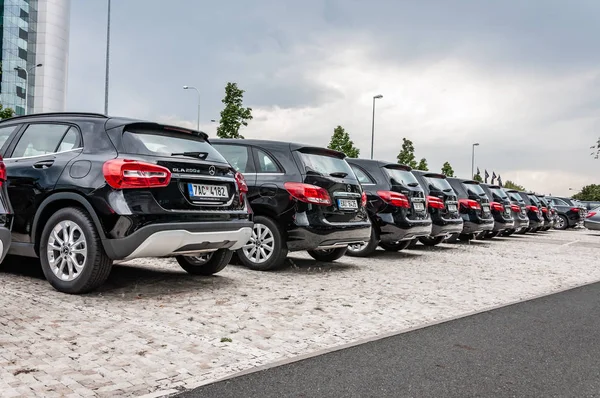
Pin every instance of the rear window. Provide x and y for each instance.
(515, 196)
(159, 143)
(474, 189)
(534, 199)
(500, 192)
(324, 164)
(439, 183)
(402, 177)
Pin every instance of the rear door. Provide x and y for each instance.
(34, 160)
(476, 192)
(404, 181)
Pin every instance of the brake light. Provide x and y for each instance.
(394, 198)
(308, 193)
(469, 204)
(591, 214)
(575, 209)
(2, 171)
(363, 199)
(532, 208)
(127, 173)
(241, 182)
(435, 203)
(544, 210)
(515, 208)
(497, 206)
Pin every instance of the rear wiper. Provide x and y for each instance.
(313, 173)
(447, 190)
(413, 184)
(199, 155)
(338, 174)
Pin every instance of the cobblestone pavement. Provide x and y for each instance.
(153, 328)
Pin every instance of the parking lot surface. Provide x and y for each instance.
(154, 328)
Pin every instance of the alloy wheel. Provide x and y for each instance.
(356, 247)
(560, 223)
(261, 245)
(67, 250)
(202, 259)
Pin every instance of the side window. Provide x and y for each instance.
(69, 141)
(237, 156)
(265, 163)
(559, 202)
(363, 178)
(43, 139)
(5, 133)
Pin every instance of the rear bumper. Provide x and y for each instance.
(328, 235)
(5, 239)
(409, 229)
(536, 224)
(161, 240)
(470, 227)
(503, 225)
(521, 223)
(595, 225)
(446, 227)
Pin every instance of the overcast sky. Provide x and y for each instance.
(521, 78)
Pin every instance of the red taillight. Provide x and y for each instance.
(532, 208)
(363, 199)
(591, 214)
(241, 182)
(469, 204)
(308, 193)
(515, 208)
(394, 198)
(497, 206)
(544, 210)
(2, 171)
(435, 203)
(126, 173)
(575, 209)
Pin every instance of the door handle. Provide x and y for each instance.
(43, 164)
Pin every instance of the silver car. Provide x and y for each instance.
(592, 220)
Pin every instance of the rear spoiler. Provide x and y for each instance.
(321, 151)
(166, 128)
(433, 175)
(397, 166)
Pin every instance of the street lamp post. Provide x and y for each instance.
(473, 160)
(373, 123)
(198, 91)
(107, 61)
(27, 72)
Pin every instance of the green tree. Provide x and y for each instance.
(234, 115)
(5, 113)
(589, 192)
(447, 170)
(340, 141)
(477, 177)
(508, 184)
(423, 165)
(596, 149)
(407, 154)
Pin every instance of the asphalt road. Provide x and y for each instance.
(546, 347)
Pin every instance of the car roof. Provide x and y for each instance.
(293, 146)
(492, 186)
(463, 180)
(378, 163)
(429, 174)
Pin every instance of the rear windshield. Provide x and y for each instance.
(500, 192)
(160, 143)
(439, 183)
(515, 196)
(544, 201)
(402, 177)
(534, 199)
(324, 164)
(474, 189)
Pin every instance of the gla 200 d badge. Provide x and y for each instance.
(211, 170)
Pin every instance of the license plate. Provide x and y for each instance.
(208, 191)
(347, 204)
(486, 209)
(419, 206)
(452, 208)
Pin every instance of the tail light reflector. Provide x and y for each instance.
(497, 206)
(532, 208)
(591, 214)
(363, 199)
(394, 198)
(435, 203)
(308, 193)
(126, 173)
(515, 208)
(241, 182)
(575, 209)
(469, 204)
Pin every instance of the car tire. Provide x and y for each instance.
(466, 237)
(366, 249)
(328, 255)
(491, 234)
(396, 246)
(206, 264)
(453, 238)
(413, 243)
(508, 232)
(431, 241)
(70, 243)
(561, 223)
(269, 229)
(523, 231)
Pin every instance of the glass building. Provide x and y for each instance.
(34, 32)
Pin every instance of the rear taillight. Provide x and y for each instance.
(363, 199)
(2, 171)
(544, 210)
(126, 173)
(497, 206)
(532, 208)
(241, 182)
(469, 204)
(308, 193)
(435, 203)
(575, 209)
(515, 208)
(591, 214)
(394, 198)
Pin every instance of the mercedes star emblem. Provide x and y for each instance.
(211, 170)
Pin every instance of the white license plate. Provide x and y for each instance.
(208, 191)
(419, 206)
(347, 204)
(452, 208)
(486, 209)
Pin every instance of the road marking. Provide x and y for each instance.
(570, 243)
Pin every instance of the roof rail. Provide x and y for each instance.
(34, 115)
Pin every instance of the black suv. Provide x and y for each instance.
(519, 212)
(303, 198)
(568, 213)
(88, 189)
(396, 204)
(443, 207)
(6, 213)
(534, 211)
(548, 211)
(500, 206)
(473, 206)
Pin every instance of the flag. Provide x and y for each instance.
(499, 180)
(493, 176)
(478, 172)
(487, 175)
